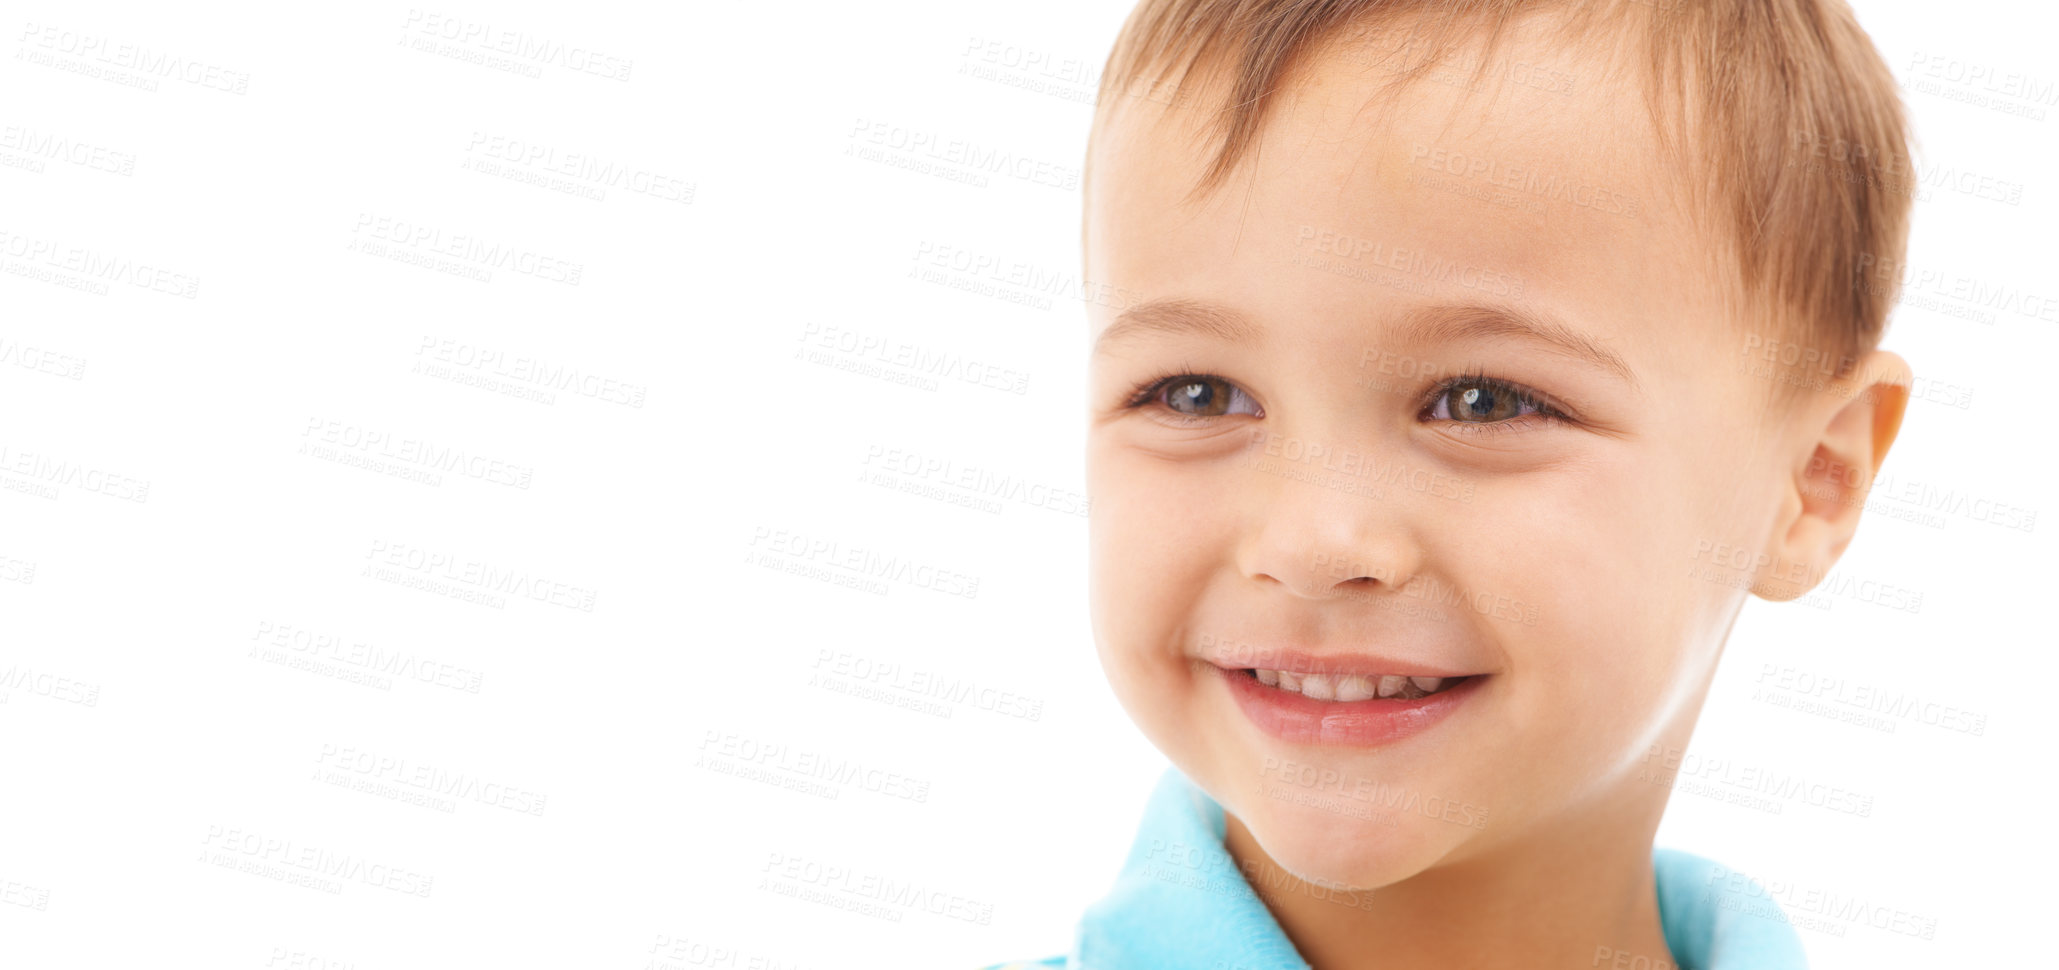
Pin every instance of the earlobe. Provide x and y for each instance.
(1820, 512)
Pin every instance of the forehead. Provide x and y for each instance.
(1537, 180)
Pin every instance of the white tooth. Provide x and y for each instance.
(1270, 678)
(1319, 686)
(1390, 684)
(1355, 688)
(1428, 685)
(1290, 680)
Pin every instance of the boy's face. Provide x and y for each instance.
(1315, 497)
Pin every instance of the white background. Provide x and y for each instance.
(193, 593)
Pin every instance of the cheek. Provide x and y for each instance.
(1150, 560)
(1603, 614)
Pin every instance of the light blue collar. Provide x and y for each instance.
(1181, 902)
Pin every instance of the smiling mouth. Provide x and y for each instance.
(1350, 688)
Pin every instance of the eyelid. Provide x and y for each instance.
(1149, 389)
(1148, 399)
(1145, 391)
(1546, 405)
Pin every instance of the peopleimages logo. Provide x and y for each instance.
(1408, 260)
(1546, 185)
(968, 156)
(518, 45)
(1372, 792)
(36, 256)
(132, 57)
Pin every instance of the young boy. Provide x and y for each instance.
(1474, 362)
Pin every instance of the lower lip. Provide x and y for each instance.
(1304, 720)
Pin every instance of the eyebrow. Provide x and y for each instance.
(1178, 318)
(1175, 317)
(1481, 321)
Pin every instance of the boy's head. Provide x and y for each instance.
(1509, 343)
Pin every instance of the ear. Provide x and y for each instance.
(1833, 471)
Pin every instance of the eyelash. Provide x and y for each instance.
(1152, 389)
(1148, 391)
(1547, 410)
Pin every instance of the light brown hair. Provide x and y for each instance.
(1781, 113)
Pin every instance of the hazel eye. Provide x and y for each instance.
(1480, 401)
(1203, 396)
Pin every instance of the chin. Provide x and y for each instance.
(1338, 851)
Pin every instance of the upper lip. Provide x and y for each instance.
(1334, 663)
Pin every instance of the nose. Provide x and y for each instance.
(1334, 536)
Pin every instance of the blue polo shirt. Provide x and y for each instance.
(1181, 902)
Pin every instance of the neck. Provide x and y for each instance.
(1573, 894)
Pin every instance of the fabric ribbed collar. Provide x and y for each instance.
(1180, 901)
